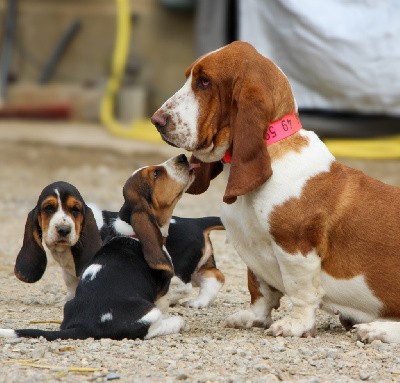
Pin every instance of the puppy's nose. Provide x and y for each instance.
(182, 159)
(160, 121)
(63, 230)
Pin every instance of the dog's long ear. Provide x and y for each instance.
(89, 241)
(145, 227)
(250, 116)
(203, 175)
(31, 260)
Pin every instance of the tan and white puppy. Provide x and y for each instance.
(62, 225)
(307, 226)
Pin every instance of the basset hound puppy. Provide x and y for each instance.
(189, 245)
(60, 224)
(122, 293)
(306, 225)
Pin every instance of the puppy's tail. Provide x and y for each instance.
(72, 333)
(210, 223)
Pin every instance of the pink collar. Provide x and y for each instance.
(277, 131)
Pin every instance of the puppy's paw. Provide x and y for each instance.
(174, 324)
(197, 303)
(165, 326)
(388, 332)
(292, 327)
(244, 319)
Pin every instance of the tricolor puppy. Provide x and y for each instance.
(189, 245)
(119, 290)
(60, 224)
(306, 226)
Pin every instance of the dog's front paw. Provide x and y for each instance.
(388, 332)
(174, 324)
(165, 326)
(246, 319)
(197, 303)
(289, 326)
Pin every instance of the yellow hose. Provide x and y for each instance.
(140, 129)
(377, 148)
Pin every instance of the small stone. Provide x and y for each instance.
(376, 343)
(364, 375)
(182, 376)
(360, 344)
(112, 376)
(261, 367)
(106, 342)
(14, 340)
(94, 346)
(38, 352)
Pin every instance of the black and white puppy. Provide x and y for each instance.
(60, 224)
(129, 276)
(189, 245)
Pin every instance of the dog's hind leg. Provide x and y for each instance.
(210, 281)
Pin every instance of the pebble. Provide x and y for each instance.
(364, 375)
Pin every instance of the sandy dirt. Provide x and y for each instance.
(206, 351)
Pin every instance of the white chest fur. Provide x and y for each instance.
(247, 225)
(247, 220)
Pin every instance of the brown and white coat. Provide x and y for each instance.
(307, 226)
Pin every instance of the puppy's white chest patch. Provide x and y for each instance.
(63, 257)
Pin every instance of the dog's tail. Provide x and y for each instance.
(210, 223)
(72, 333)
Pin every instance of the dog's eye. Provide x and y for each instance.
(157, 173)
(203, 83)
(75, 210)
(49, 209)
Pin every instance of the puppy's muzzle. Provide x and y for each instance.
(63, 230)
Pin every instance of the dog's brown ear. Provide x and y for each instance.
(89, 241)
(252, 105)
(203, 175)
(31, 260)
(145, 227)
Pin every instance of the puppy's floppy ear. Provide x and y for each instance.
(251, 109)
(89, 241)
(145, 227)
(31, 260)
(203, 175)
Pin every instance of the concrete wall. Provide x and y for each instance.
(162, 45)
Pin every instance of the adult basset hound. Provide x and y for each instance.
(306, 225)
(123, 292)
(62, 225)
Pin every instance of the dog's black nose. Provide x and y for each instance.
(182, 158)
(160, 121)
(63, 230)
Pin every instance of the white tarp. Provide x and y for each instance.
(341, 55)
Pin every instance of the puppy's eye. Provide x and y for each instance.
(203, 83)
(157, 173)
(49, 209)
(75, 210)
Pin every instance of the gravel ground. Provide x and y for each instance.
(205, 351)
